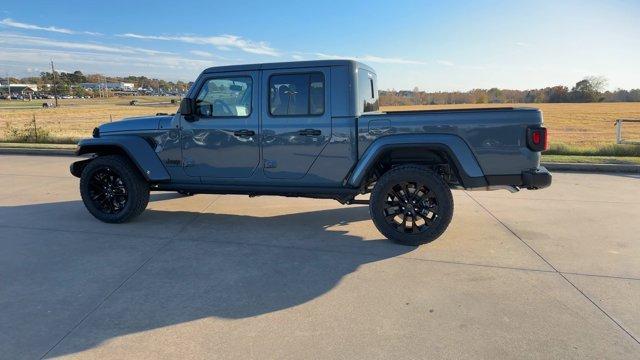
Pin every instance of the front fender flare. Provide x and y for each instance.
(136, 148)
(456, 149)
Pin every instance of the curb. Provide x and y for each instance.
(36, 151)
(595, 168)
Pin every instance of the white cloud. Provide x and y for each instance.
(445, 62)
(19, 25)
(522, 44)
(126, 64)
(11, 23)
(12, 39)
(297, 57)
(201, 53)
(148, 51)
(372, 59)
(221, 42)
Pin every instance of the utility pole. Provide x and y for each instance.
(8, 85)
(106, 87)
(55, 88)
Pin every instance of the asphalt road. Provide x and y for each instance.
(547, 274)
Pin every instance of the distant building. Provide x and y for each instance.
(115, 86)
(23, 89)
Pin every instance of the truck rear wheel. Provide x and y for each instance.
(113, 190)
(411, 205)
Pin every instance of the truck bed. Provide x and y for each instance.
(496, 136)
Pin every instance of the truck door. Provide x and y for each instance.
(296, 123)
(221, 139)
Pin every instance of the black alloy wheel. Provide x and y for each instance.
(107, 190)
(411, 205)
(113, 189)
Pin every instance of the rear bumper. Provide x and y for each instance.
(538, 178)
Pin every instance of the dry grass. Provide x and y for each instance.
(572, 125)
(76, 118)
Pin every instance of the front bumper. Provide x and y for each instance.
(77, 167)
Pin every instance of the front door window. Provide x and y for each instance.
(225, 97)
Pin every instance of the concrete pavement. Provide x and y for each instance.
(545, 274)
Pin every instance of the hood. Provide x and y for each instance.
(135, 123)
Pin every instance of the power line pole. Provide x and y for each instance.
(55, 88)
(9, 86)
(106, 87)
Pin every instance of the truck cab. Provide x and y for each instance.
(277, 124)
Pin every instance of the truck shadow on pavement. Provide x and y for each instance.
(220, 266)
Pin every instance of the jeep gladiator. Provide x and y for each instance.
(312, 129)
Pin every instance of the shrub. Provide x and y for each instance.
(27, 133)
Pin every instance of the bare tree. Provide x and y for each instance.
(598, 83)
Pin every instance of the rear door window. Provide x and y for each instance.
(296, 94)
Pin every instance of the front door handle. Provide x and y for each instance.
(310, 132)
(244, 133)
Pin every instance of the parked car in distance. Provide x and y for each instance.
(312, 129)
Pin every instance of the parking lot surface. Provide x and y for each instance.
(538, 274)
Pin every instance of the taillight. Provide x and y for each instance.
(537, 139)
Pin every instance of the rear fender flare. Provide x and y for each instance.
(456, 149)
(136, 148)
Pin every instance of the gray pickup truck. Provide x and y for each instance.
(312, 129)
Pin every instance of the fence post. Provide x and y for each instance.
(619, 131)
(35, 127)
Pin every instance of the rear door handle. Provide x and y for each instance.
(310, 132)
(244, 133)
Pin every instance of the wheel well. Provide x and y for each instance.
(102, 150)
(436, 159)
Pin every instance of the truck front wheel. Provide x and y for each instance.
(411, 205)
(113, 190)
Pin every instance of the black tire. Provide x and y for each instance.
(113, 190)
(411, 205)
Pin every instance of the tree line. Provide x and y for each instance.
(67, 82)
(589, 89)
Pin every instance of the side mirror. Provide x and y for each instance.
(186, 107)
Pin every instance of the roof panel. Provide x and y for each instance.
(280, 65)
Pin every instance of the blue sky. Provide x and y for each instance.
(434, 45)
